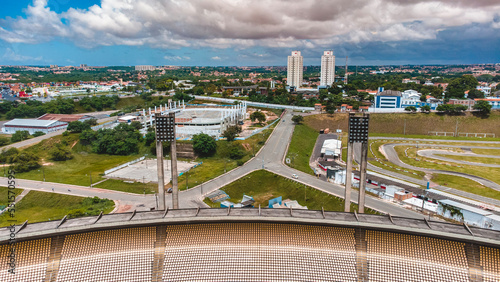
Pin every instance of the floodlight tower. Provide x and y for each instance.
(358, 133)
(165, 132)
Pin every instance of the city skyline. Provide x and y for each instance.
(224, 33)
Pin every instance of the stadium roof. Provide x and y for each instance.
(421, 227)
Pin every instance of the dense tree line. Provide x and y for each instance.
(122, 140)
(34, 108)
(99, 102)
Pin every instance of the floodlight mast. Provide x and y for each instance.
(161, 172)
(165, 132)
(358, 133)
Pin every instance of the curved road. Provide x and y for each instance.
(393, 157)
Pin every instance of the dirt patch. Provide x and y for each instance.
(246, 146)
(263, 198)
(74, 143)
(124, 208)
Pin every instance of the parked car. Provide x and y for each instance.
(295, 176)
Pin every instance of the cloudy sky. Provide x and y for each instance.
(244, 32)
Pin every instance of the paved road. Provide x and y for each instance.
(393, 157)
(132, 201)
(271, 155)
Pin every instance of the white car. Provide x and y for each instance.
(295, 176)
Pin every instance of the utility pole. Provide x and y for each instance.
(90, 175)
(456, 129)
(346, 76)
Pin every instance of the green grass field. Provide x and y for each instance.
(43, 206)
(75, 171)
(301, 147)
(495, 152)
(263, 185)
(4, 194)
(465, 184)
(136, 187)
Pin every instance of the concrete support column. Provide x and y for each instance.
(348, 178)
(362, 177)
(175, 186)
(161, 177)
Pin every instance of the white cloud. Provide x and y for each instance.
(216, 58)
(176, 58)
(231, 23)
(11, 55)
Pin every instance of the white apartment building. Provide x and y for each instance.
(327, 68)
(295, 70)
(145, 68)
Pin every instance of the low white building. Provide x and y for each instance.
(410, 98)
(331, 148)
(468, 214)
(33, 125)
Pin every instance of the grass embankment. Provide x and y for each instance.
(263, 185)
(301, 147)
(221, 162)
(135, 187)
(4, 195)
(495, 152)
(42, 206)
(472, 159)
(465, 184)
(490, 173)
(416, 124)
(75, 171)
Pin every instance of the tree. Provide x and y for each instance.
(425, 109)
(423, 98)
(204, 144)
(25, 161)
(483, 107)
(297, 119)
(457, 87)
(87, 136)
(60, 153)
(149, 138)
(78, 126)
(451, 109)
(411, 109)
(475, 94)
(4, 141)
(231, 132)
(19, 136)
(38, 133)
(136, 124)
(258, 115)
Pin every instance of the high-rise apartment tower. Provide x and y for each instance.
(327, 68)
(295, 69)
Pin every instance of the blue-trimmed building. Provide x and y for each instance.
(388, 99)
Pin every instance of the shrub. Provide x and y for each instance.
(204, 145)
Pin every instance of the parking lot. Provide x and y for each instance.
(146, 171)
